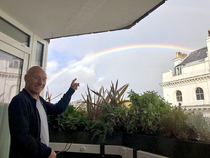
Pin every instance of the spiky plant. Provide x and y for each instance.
(111, 99)
(115, 97)
(93, 105)
(48, 96)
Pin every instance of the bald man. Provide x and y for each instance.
(28, 117)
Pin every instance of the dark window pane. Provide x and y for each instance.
(179, 96)
(197, 90)
(15, 64)
(39, 53)
(14, 32)
(199, 94)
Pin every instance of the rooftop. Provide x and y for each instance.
(195, 56)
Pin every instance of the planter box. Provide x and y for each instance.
(160, 146)
(84, 138)
(167, 147)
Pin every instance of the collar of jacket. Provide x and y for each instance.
(29, 95)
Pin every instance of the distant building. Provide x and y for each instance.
(9, 77)
(189, 85)
(79, 104)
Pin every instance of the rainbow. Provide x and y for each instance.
(114, 50)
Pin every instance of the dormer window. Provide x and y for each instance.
(177, 70)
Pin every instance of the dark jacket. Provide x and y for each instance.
(24, 124)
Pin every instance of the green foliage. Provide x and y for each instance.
(201, 125)
(145, 112)
(71, 119)
(101, 129)
(173, 125)
(110, 120)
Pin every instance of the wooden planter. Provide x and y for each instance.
(157, 145)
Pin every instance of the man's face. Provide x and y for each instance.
(35, 81)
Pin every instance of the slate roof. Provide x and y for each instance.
(195, 56)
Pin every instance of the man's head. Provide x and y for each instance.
(35, 79)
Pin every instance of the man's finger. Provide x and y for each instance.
(74, 80)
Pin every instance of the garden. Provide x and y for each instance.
(143, 122)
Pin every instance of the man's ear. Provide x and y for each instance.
(25, 78)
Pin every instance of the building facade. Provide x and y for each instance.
(189, 84)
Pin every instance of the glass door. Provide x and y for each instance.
(10, 77)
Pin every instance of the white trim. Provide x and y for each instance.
(185, 81)
(80, 148)
(13, 43)
(34, 46)
(143, 154)
(125, 152)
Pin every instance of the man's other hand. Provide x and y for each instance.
(53, 154)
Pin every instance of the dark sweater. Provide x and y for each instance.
(24, 124)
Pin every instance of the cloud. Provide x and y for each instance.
(85, 75)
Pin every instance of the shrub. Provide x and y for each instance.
(110, 120)
(145, 112)
(106, 110)
(173, 125)
(201, 125)
(71, 119)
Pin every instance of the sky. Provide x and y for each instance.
(136, 56)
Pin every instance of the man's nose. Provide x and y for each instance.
(40, 81)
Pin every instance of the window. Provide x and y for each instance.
(9, 87)
(14, 32)
(15, 64)
(179, 96)
(177, 70)
(199, 94)
(39, 53)
(10, 75)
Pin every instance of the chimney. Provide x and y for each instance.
(179, 58)
(208, 41)
(208, 46)
(180, 55)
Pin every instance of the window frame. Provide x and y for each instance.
(199, 93)
(179, 96)
(17, 31)
(40, 63)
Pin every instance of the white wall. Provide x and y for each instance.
(188, 94)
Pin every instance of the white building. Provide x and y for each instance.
(9, 75)
(189, 85)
